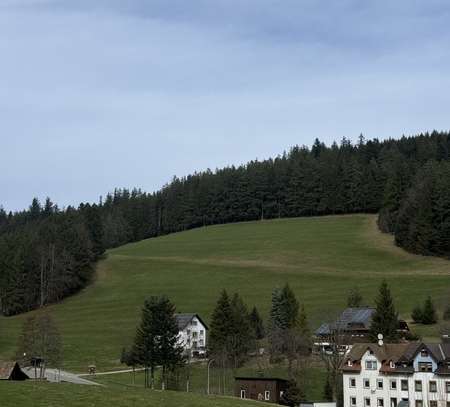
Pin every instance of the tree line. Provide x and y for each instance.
(47, 253)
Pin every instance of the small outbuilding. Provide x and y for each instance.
(11, 371)
(267, 389)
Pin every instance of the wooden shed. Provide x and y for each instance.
(267, 389)
(11, 371)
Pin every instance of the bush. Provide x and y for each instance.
(429, 312)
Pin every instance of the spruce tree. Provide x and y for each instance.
(446, 315)
(385, 317)
(429, 312)
(417, 314)
(257, 323)
(328, 389)
(241, 338)
(221, 325)
(156, 341)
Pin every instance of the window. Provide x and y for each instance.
(425, 367)
(349, 363)
(433, 387)
(194, 335)
(418, 385)
(367, 402)
(353, 401)
(242, 394)
(433, 403)
(352, 382)
(424, 353)
(393, 402)
(202, 332)
(194, 322)
(380, 403)
(447, 387)
(379, 384)
(419, 403)
(202, 343)
(404, 385)
(393, 384)
(267, 395)
(371, 365)
(366, 383)
(392, 365)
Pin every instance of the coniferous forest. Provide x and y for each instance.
(47, 253)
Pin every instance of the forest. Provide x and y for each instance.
(47, 252)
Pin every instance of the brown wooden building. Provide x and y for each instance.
(267, 389)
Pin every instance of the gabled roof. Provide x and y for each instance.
(402, 354)
(11, 370)
(350, 318)
(183, 320)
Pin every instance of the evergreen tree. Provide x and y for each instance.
(385, 317)
(241, 338)
(328, 389)
(257, 323)
(417, 314)
(354, 299)
(293, 395)
(429, 312)
(156, 342)
(446, 315)
(221, 326)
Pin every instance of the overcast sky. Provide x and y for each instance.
(97, 94)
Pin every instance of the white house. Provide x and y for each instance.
(192, 334)
(397, 375)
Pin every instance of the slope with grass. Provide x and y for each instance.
(320, 257)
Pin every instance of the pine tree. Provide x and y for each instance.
(257, 324)
(385, 317)
(429, 312)
(354, 299)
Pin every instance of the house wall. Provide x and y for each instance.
(193, 334)
(386, 393)
(256, 389)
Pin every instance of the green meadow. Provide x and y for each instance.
(320, 257)
(29, 394)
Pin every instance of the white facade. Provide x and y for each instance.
(371, 388)
(192, 336)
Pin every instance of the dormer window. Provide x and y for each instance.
(392, 365)
(371, 365)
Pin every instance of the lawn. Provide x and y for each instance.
(320, 257)
(29, 394)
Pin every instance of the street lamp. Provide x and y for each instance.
(208, 366)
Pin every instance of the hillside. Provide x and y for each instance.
(320, 257)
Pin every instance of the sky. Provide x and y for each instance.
(99, 94)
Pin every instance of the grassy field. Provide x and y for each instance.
(321, 258)
(28, 394)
